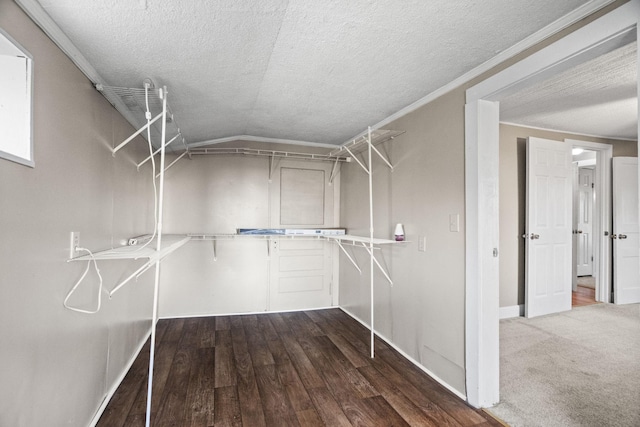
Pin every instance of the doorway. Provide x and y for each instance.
(481, 180)
(592, 255)
(584, 256)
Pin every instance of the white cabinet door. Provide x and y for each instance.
(301, 274)
(626, 246)
(585, 222)
(548, 227)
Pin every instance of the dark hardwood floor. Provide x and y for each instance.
(289, 369)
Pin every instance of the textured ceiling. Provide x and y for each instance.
(318, 71)
(598, 97)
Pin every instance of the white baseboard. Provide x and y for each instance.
(241, 313)
(117, 383)
(409, 358)
(512, 311)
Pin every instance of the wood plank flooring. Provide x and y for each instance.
(288, 369)
(583, 296)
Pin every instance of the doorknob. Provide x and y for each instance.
(579, 231)
(534, 236)
(622, 236)
(614, 236)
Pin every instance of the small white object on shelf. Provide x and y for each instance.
(399, 232)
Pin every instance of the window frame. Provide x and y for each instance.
(27, 55)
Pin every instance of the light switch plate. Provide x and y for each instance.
(454, 223)
(422, 243)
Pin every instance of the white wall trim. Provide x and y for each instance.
(53, 31)
(512, 311)
(482, 272)
(114, 387)
(242, 313)
(612, 30)
(44, 21)
(568, 133)
(406, 356)
(482, 369)
(566, 21)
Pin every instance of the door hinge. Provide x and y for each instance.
(593, 185)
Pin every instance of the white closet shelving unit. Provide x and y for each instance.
(169, 243)
(368, 142)
(147, 110)
(275, 156)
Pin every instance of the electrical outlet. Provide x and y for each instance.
(74, 242)
(422, 243)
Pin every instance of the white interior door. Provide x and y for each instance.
(585, 222)
(548, 227)
(301, 271)
(626, 246)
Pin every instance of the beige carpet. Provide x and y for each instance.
(579, 368)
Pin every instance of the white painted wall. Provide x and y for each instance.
(423, 313)
(59, 365)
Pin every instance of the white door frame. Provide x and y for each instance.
(481, 184)
(601, 216)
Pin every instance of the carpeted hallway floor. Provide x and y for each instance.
(578, 368)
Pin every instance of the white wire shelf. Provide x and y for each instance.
(359, 144)
(268, 153)
(343, 238)
(356, 240)
(131, 103)
(170, 242)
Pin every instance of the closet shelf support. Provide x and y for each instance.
(355, 264)
(173, 163)
(135, 274)
(138, 132)
(156, 152)
(375, 260)
(334, 171)
(353, 156)
(384, 159)
(273, 165)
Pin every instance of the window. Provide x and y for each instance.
(15, 102)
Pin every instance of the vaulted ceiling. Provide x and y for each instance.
(310, 71)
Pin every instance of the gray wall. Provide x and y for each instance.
(216, 195)
(423, 313)
(58, 365)
(512, 201)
